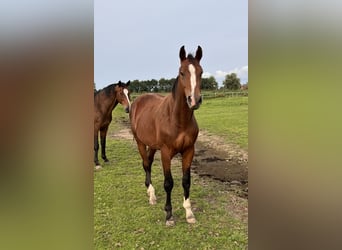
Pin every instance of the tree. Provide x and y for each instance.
(154, 86)
(165, 85)
(232, 82)
(135, 86)
(209, 83)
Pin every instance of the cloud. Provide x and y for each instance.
(206, 75)
(220, 75)
(242, 73)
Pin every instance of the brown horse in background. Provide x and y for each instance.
(168, 124)
(105, 100)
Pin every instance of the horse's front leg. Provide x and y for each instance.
(103, 134)
(187, 157)
(168, 185)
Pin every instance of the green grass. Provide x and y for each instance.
(123, 217)
(226, 117)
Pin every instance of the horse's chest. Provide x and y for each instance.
(184, 140)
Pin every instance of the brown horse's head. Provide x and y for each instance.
(123, 95)
(190, 74)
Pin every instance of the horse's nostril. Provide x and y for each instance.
(189, 99)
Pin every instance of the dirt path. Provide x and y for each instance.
(214, 159)
(223, 162)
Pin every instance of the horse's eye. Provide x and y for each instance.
(182, 74)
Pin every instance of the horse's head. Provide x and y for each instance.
(190, 74)
(123, 95)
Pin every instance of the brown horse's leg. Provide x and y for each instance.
(103, 134)
(187, 157)
(147, 157)
(168, 185)
(96, 149)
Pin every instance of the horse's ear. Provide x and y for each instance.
(119, 83)
(127, 84)
(198, 53)
(182, 53)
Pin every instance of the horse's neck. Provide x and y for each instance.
(112, 102)
(182, 114)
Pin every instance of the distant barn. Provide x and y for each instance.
(244, 87)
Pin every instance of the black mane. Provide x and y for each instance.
(108, 90)
(174, 87)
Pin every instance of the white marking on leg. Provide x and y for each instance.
(193, 83)
(152, 195)
(190, 218)
(126, 94)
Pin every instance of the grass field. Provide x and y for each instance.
(226, 117)
(124, 219)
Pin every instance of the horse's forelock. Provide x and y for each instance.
(190, 56)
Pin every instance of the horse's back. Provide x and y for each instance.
(145, 104)
(147, 99)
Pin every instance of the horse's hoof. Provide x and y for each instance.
(170, 222)
(98, 167)
(106, 160)
(153, 201)
(191, 220)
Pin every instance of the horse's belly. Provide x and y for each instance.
(146, 133)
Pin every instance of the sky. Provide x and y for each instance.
(136, 39)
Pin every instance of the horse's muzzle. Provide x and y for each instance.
(127, 109)
(194, 103)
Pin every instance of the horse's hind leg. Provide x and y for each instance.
(148, 180)
(96, 149)
(103, 134)
(147, 157)
(187, 157)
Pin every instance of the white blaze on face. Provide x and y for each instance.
(193, 83)
(126, 94)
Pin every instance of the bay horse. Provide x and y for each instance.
(168, 124)
(105, 100)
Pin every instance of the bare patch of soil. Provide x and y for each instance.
(223, 162)
(215, 159)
